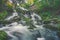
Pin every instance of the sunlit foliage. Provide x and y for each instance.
(30, 1)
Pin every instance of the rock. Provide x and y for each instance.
(58, 33)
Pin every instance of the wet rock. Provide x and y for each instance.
(58, 33)
(51, 27)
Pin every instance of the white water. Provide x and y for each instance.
(40, 38)
(18, 28)
(13, 15)
(19, 32)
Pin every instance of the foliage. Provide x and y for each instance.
(30, 2)
(9, 4)
(1, 5)
(3, 35)
(3, 15)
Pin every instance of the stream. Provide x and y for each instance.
(20, 30)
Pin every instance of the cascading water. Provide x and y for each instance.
(19, 31)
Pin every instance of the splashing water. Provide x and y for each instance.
(17, 31)
(13, 15)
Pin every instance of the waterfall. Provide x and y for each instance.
(18, 31)
(13, 15)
